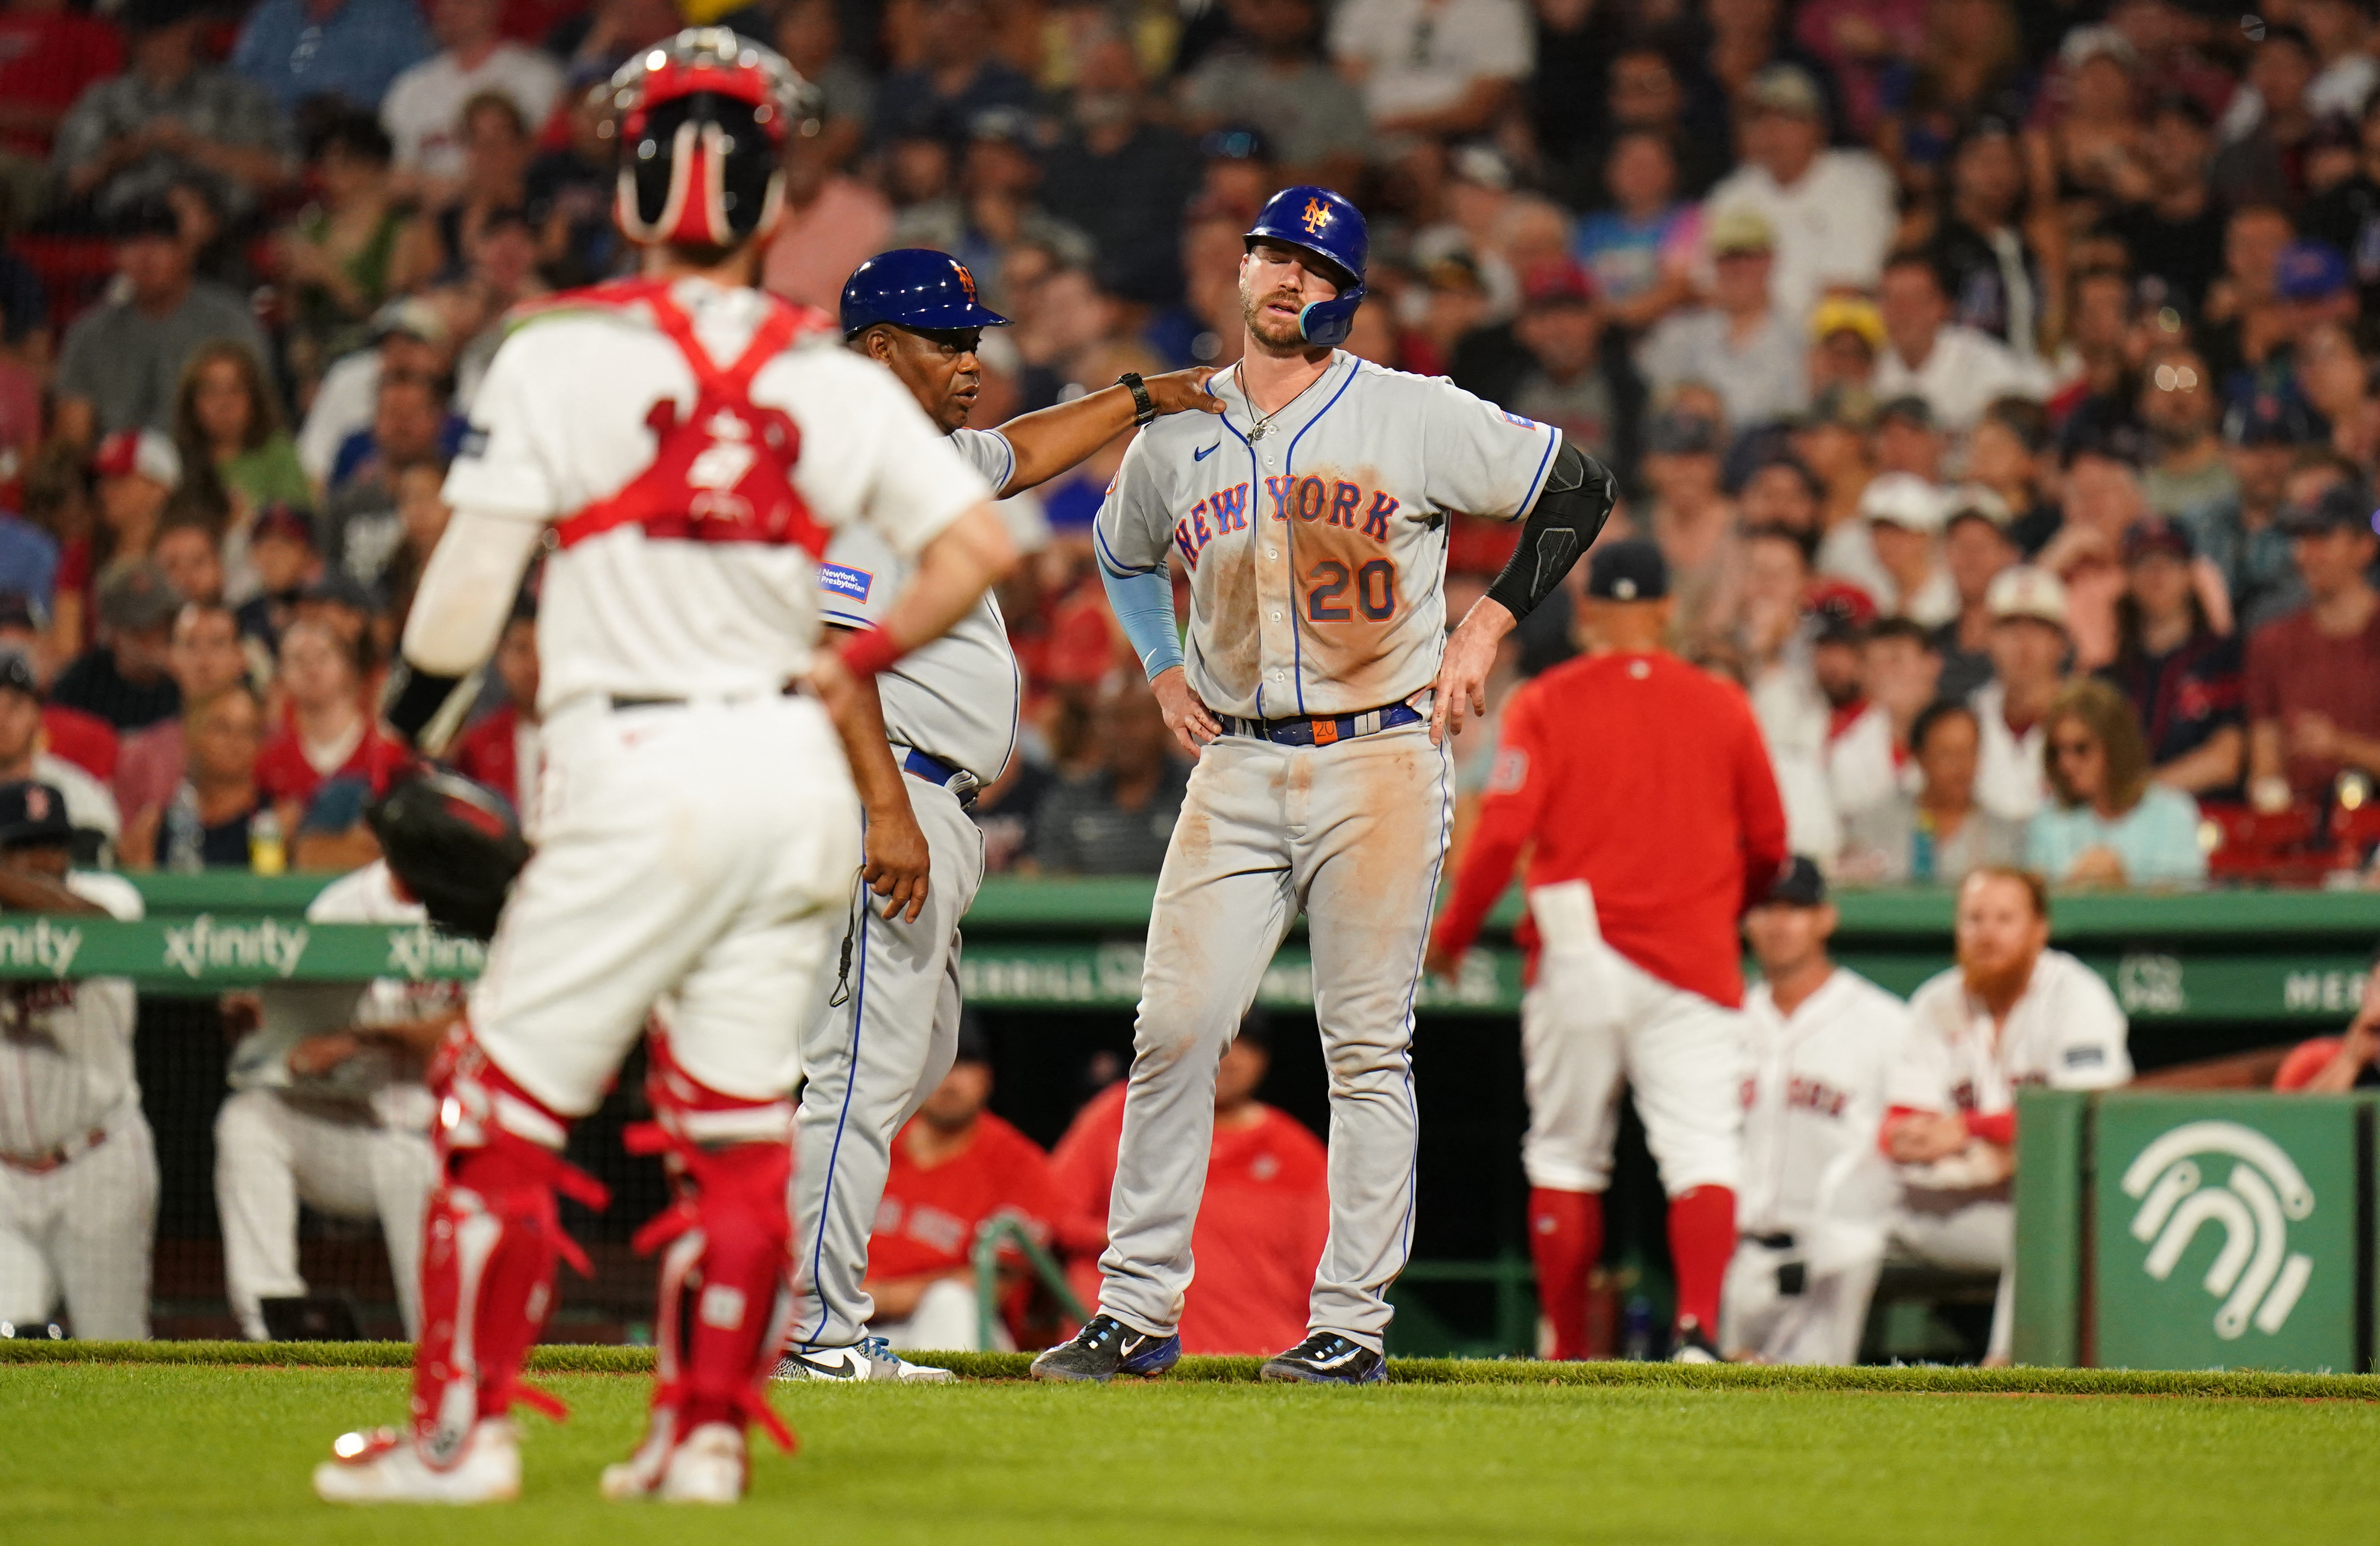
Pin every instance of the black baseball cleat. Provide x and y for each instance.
(1105, 1348)
(1327, 1358)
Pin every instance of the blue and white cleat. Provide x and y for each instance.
(1106, 1348)
(1326, 1358)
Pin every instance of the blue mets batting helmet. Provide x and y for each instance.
(1317, 221)
(914, 287)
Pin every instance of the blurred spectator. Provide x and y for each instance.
(1832, 441)
(2106, 823)
(173, 113)
(2335, 1065)
(810, 34)
(1690, 517)
(1641, 94)
(50, 52)
(2338, 37)
(2028, 648)
(504, 747)
(994, 208)
(1738, 343)
(136, 472)
(2313, 676)
(572, 184)
(1846, 337)
(2103, 501)
(2244, 316)
(1831, 209)
(91, 809)
(1904, 515)
(187, 554)
(1121, 175)
(351, 49)
(1007, 812)
(1271, 74)
(1939, 833)
(325, 731)
(2335, 379)
(1956, 369)
(955, 1167)
(206, 659)
(1116, 819)
(2241, 533)
(123, 359)
(1975, 548)
(2266, 158)
(2181, 676)
(833, 224)
(122, 677)
(206, 823)
(281, 547)
(1867, 753)
(1983, 254)
(1640, 251)
(956, 78)
(2012, 1012)
(1267, 1209)
(227, 426)
(2171, 224)
(340, 258)
(424, 108)
(410, 336)
(361, 526)
(1434, 67)
(1565, 381)
(2179, 408)
(2348, 217)
(2087, 131)
(497, 145)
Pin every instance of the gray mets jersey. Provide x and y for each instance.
(1315, 537)
(955, 698)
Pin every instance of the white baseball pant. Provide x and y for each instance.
(868, 1063)
(271, 1153)
(1965, 1233)
(703, 850)
(1595, 1020)
(1353, 833)
(83, 1231)
(1821, 1319)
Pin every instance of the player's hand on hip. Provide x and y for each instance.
(897, 862)
(1188, 717)
(1184, 391)
(1463, 670)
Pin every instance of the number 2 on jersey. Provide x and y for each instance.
(1375, 586)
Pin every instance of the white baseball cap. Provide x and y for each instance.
(2026, 591)
(1904, 500)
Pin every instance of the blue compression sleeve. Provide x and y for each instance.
(1144, 604)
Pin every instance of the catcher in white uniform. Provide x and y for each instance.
(688, 444)
(1822, 1047)
(328, 1107)
(77, 1165)
(2012, 1012)
(886, 1029)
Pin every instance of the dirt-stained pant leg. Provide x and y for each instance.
(870, 1061)
(1223, 904)
(1367, 821)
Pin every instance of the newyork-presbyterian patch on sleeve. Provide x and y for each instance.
(843, 580)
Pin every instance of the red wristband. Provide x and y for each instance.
(871, 653)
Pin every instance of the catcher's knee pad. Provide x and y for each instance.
(493, 1237)
(726, 1246)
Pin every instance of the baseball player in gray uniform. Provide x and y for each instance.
(1319, 683)
(886, 1028)
(77, 1165)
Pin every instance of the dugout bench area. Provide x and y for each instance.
(1052, 966)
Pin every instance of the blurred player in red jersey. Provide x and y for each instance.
(1643, 789)
(1268, 1213)
(955, 1166)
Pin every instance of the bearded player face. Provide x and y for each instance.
(1278, 282)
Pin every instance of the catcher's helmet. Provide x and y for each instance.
(1317, 221)
(914, 287)
(701, 121)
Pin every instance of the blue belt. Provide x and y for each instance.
(934, 770)
(1323, 731)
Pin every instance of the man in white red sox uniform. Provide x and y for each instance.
(78, 1166)
(1821, 1046)
(1319, 683)
(2012, 1012)
(887, 1027)
(689, 442)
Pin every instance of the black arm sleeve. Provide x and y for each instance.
(1577, 500)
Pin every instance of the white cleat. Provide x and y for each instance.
(385, 1465)
(869, 1359)
(707, 1466)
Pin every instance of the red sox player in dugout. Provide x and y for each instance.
(1640, 785)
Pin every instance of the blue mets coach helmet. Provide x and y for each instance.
(914, 287)
(1317, 221)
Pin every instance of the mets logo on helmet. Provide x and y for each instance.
(1316, 215)
(966, 280)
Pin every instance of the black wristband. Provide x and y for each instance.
(412, 698)
(1144, 406)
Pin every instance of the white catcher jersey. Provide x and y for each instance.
(1316, 540)
(957, 697)
(65, 1049)
(1814, 1104)
(566, 417)
(2066, 1032)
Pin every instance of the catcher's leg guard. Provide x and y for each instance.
(493, 1235)
(725, 1274)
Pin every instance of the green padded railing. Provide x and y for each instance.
(989, 1240)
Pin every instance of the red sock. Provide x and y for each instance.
(1702, 1239)
(1565, 1238)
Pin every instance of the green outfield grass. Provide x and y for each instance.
(193, 1452)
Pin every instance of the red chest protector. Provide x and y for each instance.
(723, 473)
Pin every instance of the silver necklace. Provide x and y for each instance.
(1263, 424)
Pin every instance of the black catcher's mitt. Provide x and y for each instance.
(454, 844)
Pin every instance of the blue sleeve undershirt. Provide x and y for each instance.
(1143, 605)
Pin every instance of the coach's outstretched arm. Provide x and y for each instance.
(1048, 442)
(1569, 514)
(466, 595)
